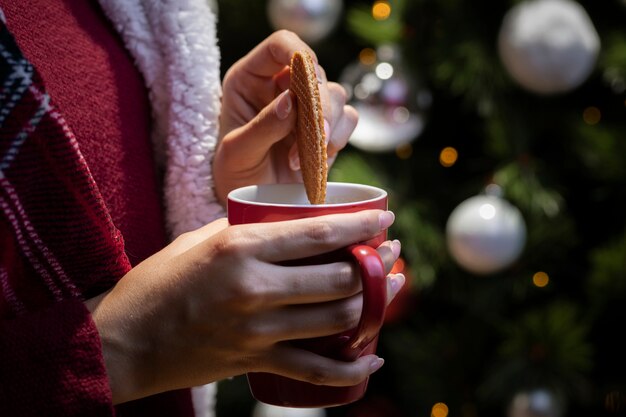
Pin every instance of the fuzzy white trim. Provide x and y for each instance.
(174, 44)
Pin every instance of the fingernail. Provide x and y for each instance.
(376, 364)
(319, 74)
(396, 281)
(396, 247)
(326, 131)
(294, 159)
(283, 106)
(386, 219)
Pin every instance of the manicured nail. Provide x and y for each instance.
(396, 282)
(376, 364)
(283, 106)
(396, 247)
(326, 131)
(319, 74)
(386, 219)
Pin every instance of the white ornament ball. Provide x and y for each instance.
(312, 20)
(266, 410)
(548, 46)
(485, 234)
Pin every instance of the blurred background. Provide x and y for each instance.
(499, 130)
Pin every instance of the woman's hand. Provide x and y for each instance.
(258, 117)
(217, 303)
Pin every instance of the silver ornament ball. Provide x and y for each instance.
(392, 105)
(485, 234)
(312, 20)
(548, 46)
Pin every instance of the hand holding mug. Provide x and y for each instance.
(285, 202)
(218, 303)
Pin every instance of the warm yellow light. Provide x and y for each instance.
(448, 156)
(381, 10)
(367, 56)
(439, 410)
(541, 279)
(592, 115)
(404, 151)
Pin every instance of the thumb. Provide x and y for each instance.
(271, 124)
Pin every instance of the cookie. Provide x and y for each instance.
(309, 127)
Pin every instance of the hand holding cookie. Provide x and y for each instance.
(257, 143)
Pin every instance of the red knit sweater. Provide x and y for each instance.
(50, 359)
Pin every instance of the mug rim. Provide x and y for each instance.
(380, 194)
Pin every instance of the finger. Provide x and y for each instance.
(252, 141)
(253, 91)
(395, 282)
(310, 320)
(309, 284)
(304, 321)
(297, 239)
(274, 53)
(282, 79)
(309, 367)
(262, 73)
(342, 130)
(338, 97)
(389, 252)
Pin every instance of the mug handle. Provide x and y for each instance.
(374, 281)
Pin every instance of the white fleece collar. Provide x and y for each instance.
(174, 44)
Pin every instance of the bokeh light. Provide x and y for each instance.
(541, 279)
(439, 410)
(381, 10)
(367, 56)
(448, 156)
(592, 115)
(384, 70)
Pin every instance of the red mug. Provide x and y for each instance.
(279, 202)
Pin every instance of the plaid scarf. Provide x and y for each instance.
(64, 243)
(58, 246)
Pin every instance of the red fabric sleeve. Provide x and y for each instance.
(51, 364)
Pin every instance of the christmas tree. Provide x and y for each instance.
(499, 130)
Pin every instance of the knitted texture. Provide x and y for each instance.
(102, 96)
(37, 344)
(60, 226)
(58, 246)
